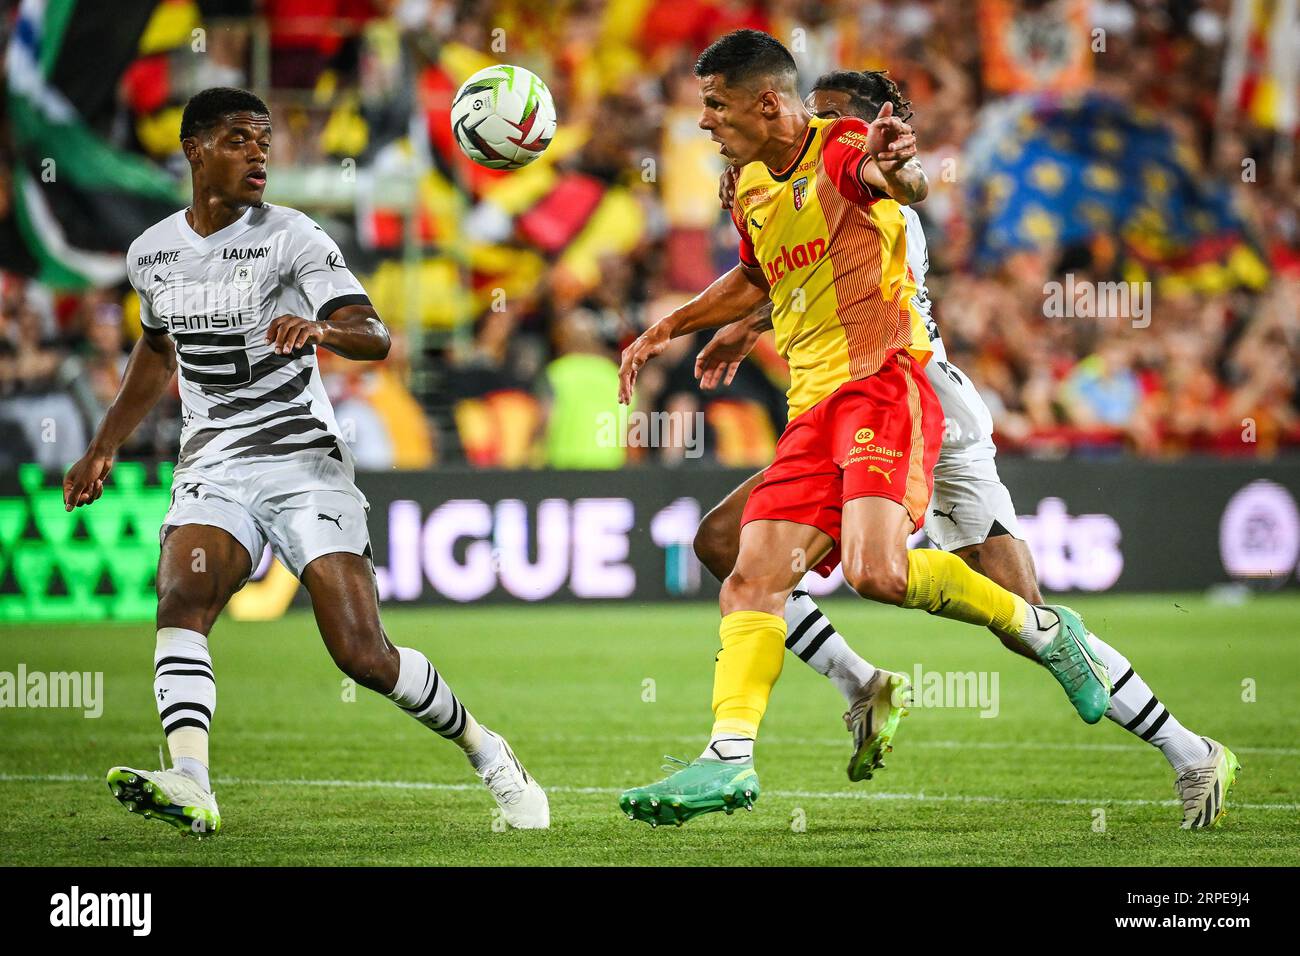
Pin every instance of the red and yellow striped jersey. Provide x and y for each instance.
(835, 257)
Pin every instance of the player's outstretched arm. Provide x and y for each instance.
(731, 296)
(905, 185)
(148, 373)
(353, 331)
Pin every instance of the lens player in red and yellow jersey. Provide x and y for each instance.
(832, 251)
(821, 237)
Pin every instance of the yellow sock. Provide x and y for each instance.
(944, 584)
(753, 650)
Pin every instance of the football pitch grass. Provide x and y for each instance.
(591, 697)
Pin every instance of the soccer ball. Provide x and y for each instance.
(503, 117)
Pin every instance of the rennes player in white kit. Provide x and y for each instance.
(238, 294)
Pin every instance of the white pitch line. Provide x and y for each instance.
(909, 743)
(921, 797)
(1048, 745)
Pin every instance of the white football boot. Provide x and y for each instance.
(523, 803)
(1204, 787)
(169, 796)
(873, 721)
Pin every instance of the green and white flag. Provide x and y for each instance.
(77, 200)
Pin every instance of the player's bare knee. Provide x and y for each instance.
(881, 579)
(741, 592)
(736, 592)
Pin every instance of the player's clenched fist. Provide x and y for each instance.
(648, 344)
(890, 141)
(288, 333)
(84, 481)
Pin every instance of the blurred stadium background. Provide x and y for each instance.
(1073, 141)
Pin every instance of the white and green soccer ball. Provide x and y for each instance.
(503, 117)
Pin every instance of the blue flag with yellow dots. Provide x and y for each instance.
(1054, 171)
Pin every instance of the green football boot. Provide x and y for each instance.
(873, 720)
(1203, 787)
(168, 796)
(1076, 667)
(702, 786)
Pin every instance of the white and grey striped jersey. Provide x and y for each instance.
(217, 296)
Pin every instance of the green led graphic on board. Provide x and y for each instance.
(95, 563)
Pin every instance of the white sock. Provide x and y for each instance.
(185, 691)
(487, 750)
(195, 771)
(814, 640)
(729, 748)
(422, 693)
(1135, 708)
(1039, 628)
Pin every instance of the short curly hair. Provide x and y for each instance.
(208, 107)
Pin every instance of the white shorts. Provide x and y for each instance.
(970, 503)
(304, 507)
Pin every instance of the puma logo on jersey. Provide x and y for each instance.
(946, 514)
(755, 223)
(889, 475)
(338, 520)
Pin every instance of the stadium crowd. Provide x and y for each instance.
(524, 287)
